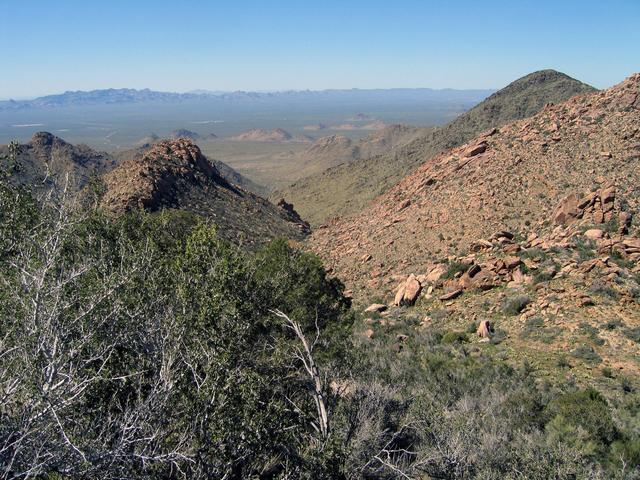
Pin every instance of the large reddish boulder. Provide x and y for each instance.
(408, 291)
(567, 210)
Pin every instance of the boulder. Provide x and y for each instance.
(511, 262)
(397, 301)
(485, 329)
(435, 273)
(376, 307)
(594, 234)
(480, 245)
(624, 222)
(567, 210)
(608, 195)
(408, 291)
(411, 290)
(450, 295)
(475, 150)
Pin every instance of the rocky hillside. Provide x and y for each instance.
(233, 176)
(348, 188)
(510, 179)
(563, 299)
(47, 158)
(175, 174)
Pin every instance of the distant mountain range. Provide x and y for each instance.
(123, 96)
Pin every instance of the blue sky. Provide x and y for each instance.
(56, 45)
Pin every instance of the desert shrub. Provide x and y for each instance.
(514, 305)
(439, 314)
(563, 362)
(612, 324)
(535, 329)
(455, 338)
(585, 247)
(632, 333)
(533, 253)
(604, 290)
(586, 353)
(582, 418)
(543, 276)
(454, 268)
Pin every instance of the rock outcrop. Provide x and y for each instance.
(174, 174)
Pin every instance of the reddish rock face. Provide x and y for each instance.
(567, 210)
(594, 233)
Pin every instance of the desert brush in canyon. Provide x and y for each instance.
(451, 302)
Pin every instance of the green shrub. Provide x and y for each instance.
(455, 338)
(454, 268)
(514, 305)
(603, 290)
(632, 333)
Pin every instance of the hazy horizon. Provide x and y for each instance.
(251, 46)
(262, 91)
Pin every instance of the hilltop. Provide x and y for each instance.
(184, 133)
(173, 174)
(46, 158)
(347, 188)
(261, 135)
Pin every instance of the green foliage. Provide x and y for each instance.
(166, 348)
(586, 353)
(514, 305)
(455, 338)
(604, 290)
(582, 418)
(454, 268)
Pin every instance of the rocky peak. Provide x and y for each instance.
(157, 177)
(181, 155)
(45, 141)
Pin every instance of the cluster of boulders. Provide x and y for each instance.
(145, 181)
(496, 261)
(471, 274)
(596, 208)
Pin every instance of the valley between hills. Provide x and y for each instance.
(488, 264)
